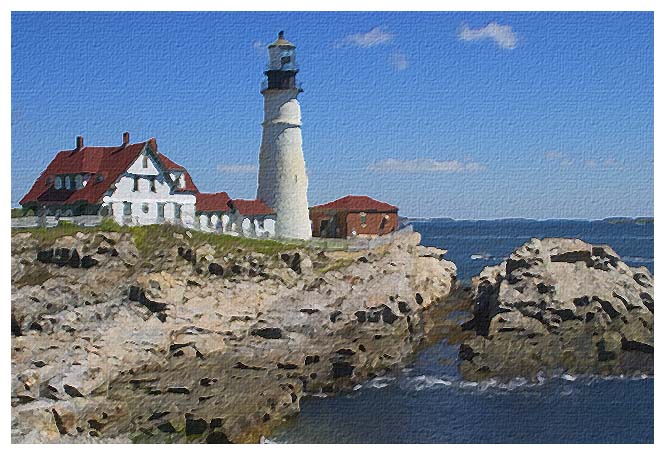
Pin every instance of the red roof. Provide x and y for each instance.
(212, 202)
(358, 204)
(169, 164)
(105, 164)
(251, 207)
(188, 184)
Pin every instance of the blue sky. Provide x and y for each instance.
(462, 115)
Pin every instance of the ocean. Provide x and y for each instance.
(428, 402)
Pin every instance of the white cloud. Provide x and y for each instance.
(425, 165)
(559, 157)
(502, 35)
(259, 46)
(399, 61)
(374, 37)
(237, 168)
(606, 163)
(565, 160)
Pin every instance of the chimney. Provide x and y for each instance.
(125, 138)
(79, 142)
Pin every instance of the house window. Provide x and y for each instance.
(58, 182)
(78, 181)
(160, 210)
(363, 219)
(145, 161)
(68, 182)
(177, 211)
(153, 186)
(126, 209)
(145, 208)
(135, 184)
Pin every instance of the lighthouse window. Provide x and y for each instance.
(285, 59)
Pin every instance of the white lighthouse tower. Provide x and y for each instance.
(282, 178)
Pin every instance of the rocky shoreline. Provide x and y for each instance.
(161, 335)
(560, 306)
(190, 341)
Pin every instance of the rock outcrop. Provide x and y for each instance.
(560, 305)
(188, 341)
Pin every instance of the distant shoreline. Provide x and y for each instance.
(615, 219)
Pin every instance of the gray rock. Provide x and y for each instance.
(560, 304)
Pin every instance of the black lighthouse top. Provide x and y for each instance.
(282, 67)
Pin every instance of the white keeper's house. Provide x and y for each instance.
(135, 184)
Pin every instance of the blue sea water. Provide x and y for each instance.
(428, 402)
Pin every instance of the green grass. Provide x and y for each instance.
(341, 263)
(17, 213)
(159, 236)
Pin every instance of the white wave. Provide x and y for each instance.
(375, 383)
(568, 377)
(425, 382)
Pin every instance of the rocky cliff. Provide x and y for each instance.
(187, 340)
(560, 305)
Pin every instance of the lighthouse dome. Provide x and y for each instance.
(281, 42)
(282, 55)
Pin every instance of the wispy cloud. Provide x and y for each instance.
(237, 168)
(558, 157)
(564, 160)
(425, 165)
(259, 46)
(502, 35)
(606, 163)
(399, 61)
(374, 37)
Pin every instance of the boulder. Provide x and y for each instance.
(559, 304)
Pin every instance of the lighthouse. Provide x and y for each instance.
(282, 177)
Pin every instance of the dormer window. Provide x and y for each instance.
(58, 182)
(78, 182)
(68, 182)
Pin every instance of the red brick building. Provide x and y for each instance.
(353, 216)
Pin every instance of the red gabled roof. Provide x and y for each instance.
(358, 204)
(252, 207)
(188, 184)
(169, 164)
(212, 202)
(103, 163)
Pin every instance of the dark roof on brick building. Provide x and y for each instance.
(358, 204)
